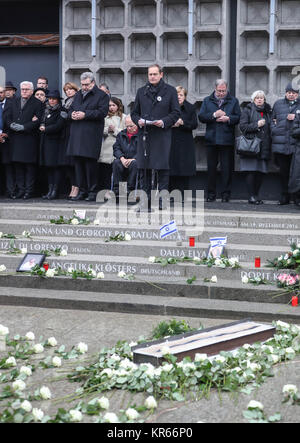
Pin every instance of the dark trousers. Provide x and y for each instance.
(120, 173)
(54, 175)
(150, 179)
(10, 178)
(26, 177)
(104, 176)
(224, 155)
(180, 183)
(86, 174)
(284, 163)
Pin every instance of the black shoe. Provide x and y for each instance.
(252, 200)
(91, 197)
(284, 201)
(225, 199)
(20, 194)
(28, 195)
(259, 202)
(211, 199)
(53, 195)
(79, 196)
(46, 196)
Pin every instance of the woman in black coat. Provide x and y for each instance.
(255, 121)
(182, 156)
(52, 128)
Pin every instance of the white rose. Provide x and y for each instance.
(70, 269)
(132, 414)
(295, 252)
(289, 389)
(150, 402)
(1, 234)
(45, 393)
(121, 274)
(26, 406)
(96, 221)
(110, 417)
(74, 221)
(127, 237)
(167, 367)
(3, 330)
(2, 268)
(151, 259)
(165, 350)
(50, 273)
(19, 385)
(214, 279)
(11, 361)
(253, 404)
(200, 357)
(38, 414)
(100, 275)
(82, 348)
(30, 336)
(76, 415)
(245, 279)
(38, 348)
(56, 361)
(26, 370)
(282, 324)
(108, 372)
(24, 250)
(196, 259)
(63, 252)
(52, 341)
(103, 402)
(220, 359)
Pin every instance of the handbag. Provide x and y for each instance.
(247, 147)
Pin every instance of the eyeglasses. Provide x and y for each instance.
(25, 89)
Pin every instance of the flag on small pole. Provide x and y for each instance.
(168, 229)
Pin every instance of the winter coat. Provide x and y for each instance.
(25, 144)
(248, 127)
(52, 139)
(294, 181)
(218, 133)
(282, 141)
(183, 157)
(86, 135)
(109, 138)
(163, 105)
(5, 148)
(124, 148)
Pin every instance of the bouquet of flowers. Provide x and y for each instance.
(290, 260)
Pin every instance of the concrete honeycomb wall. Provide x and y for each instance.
(131, 34)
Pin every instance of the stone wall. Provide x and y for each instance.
(131, 34)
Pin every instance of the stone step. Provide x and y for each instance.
(212, 218)
(282, 238)
(140, 248)
(140, 267)
(148, 304)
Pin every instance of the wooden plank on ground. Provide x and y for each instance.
(209, 341)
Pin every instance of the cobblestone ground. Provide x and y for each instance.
(99, 329)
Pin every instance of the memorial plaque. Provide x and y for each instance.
(208, 341)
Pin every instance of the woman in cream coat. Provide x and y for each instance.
(114, 123)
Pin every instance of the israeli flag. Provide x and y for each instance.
(218, 241)
(168, 229)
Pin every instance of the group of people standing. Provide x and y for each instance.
(88, 139)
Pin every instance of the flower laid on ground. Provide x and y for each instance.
(45, 393)
(26, 370)
(76, 416)
(4, 330)
(132, 414)
(254, 281)
(26, 234)
(24, 250)
(103, 402)
(19, 385)
(100, 275)
(37, 414)
(255, 413)
(2, 268)
(30, 336)
(119, 237)
(63, 252)
(38, 348)
(110, 417)
(26, 406)
(56, 361)
(291, 394)
(213, 279)
(10, 361)
(82, 348)
(150, 402)
(52, 341)
(74, 220)
(50, 273)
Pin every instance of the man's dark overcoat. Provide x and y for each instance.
(25, 144)
(159, 103)
(86, 135)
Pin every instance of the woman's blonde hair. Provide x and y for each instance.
(70, 85)
(181, 89)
